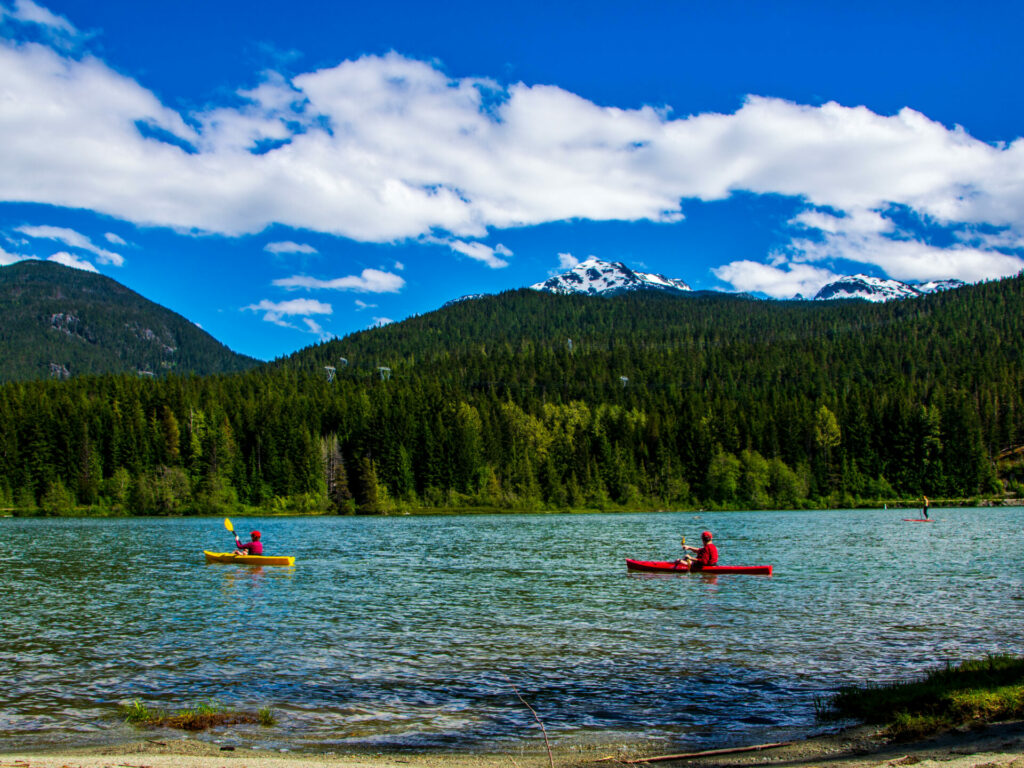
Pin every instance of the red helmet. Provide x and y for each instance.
(706, 535)
(255, 534)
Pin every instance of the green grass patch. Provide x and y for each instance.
(265, 716)
(137, 713)
(971, 693)
(199, 717)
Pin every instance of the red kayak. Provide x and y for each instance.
(663, 567)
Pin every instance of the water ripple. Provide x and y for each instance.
(410, 633)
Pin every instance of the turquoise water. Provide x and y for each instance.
(410, 633)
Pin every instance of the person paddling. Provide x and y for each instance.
(706, 555)
(924, 509)
(254, 547)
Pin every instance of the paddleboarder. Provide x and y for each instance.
(924, 508)
(254, 547)
(706, 555)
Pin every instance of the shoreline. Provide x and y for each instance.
(1000, 745)
(95, 513)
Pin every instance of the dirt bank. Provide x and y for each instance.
(998, 746)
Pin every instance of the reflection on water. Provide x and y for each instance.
(707, 578)
(399, 633)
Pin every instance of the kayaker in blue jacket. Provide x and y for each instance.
(254, 547)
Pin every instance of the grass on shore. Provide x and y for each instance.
(203, 715)
(971, 693)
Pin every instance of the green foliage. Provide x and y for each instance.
(57, 500)
(265, 717)
(727, 402)
(983, 690)
(58, 322)
(138, 713)
(723, 480)
(199, 717)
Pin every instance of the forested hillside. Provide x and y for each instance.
(528, 400)
(59, 322)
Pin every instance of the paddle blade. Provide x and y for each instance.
(227, 524)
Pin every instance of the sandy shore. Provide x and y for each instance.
(998, 746)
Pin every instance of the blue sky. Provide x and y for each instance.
(283, 174)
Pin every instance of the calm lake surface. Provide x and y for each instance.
(410, 633)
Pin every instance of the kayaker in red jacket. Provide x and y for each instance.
(706, 555)
(254, 547)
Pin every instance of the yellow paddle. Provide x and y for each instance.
(227, 524)
(682, 544)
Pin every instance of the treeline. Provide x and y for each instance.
(531, 401)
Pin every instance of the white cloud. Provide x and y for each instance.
(293, 307)
(361, 305)
(385, 148)
(7, 259)
(777, 281)
(908, 260)
(369, 281)
(1001, 239)
(289, 247)
(115, 239)
(567, 261)
(68, 260)
(399, 266)
(379, 322)
(72, 239)
(276, 312)
(312, 326)
(480, 252)
(869, 238)
(30, 12)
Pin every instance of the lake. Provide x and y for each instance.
(412, 633)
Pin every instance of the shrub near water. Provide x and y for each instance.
(203, 715)
(973, 692)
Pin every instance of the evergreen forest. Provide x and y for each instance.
(60, 322)
(532, 401)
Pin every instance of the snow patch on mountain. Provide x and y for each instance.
(934, 286)
(596, 277)
(878, 289)
(467, 297)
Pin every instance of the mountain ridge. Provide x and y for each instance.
(875, 289)
(594, 276)
(59, 322)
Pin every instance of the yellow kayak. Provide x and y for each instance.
(231, 557)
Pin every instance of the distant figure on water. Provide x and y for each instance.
(924, 508)
(254, 547)
(706, 555)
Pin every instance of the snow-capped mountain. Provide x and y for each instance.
(594, 277)
(939, 285)
(877, 290)
(467, 297)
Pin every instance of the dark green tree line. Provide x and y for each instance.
(659, 401)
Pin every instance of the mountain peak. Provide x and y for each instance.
(596, 277)
(877, 289)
